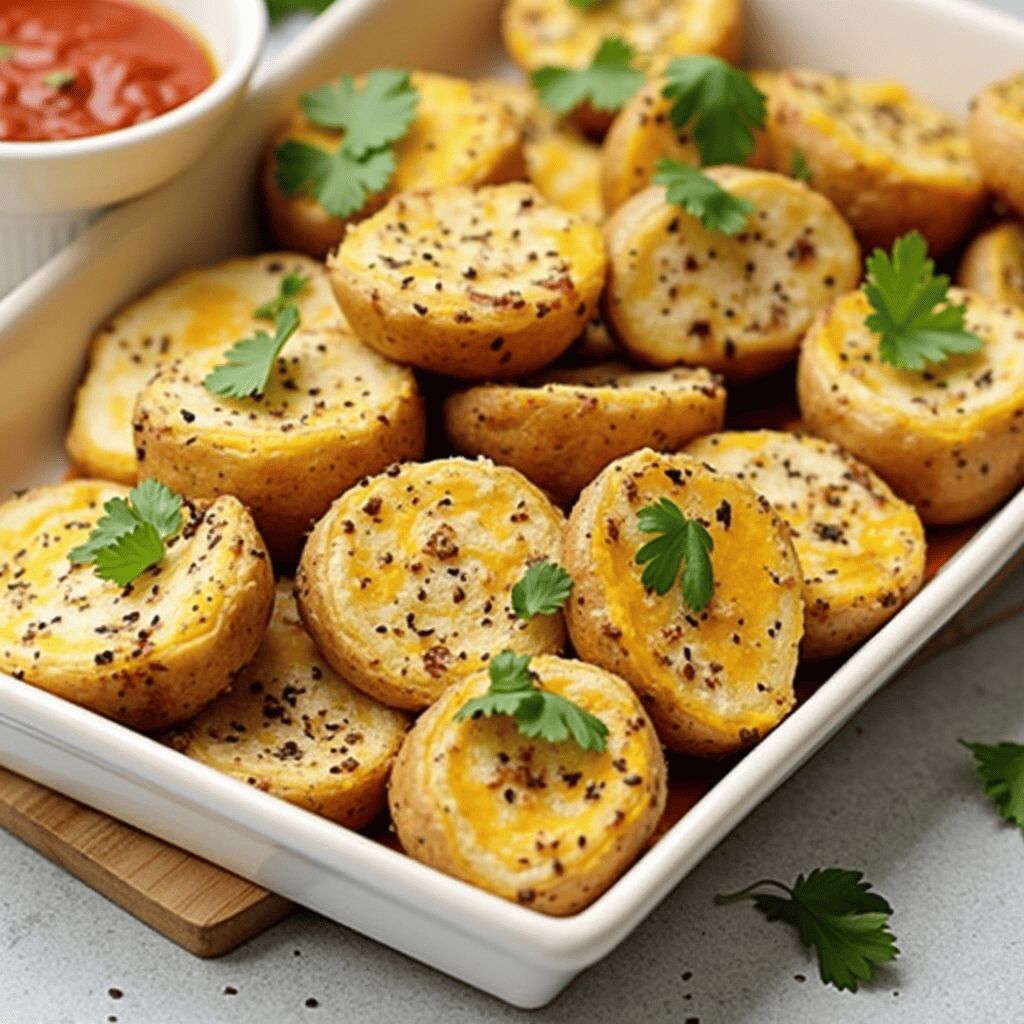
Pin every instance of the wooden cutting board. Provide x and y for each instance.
(200, 906)
(210, 911)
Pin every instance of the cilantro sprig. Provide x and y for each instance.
(716, 208)
(249, 361)
(282, 8)
(800, 170)
(1002, 768)
(584, 4)
(59, 79)
(904, 293)
(723, 103)
(372, 118)
(609, 81)
(683, 541)
(290, 286)
(6, 51)
(833, 911)
(130, 537)
(538, 713)
(543, 589)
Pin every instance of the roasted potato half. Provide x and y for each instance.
(681, 293)
(563, 427)
(406, 582)
(996, 131)
(292, 727)
(332, 412)
(890, 162)
(993, 264)
(148, 654)
(460, 136)
(546, 825)
(208, 307)
(475, 284)
(715, 680)
(948, 438)
(860, 547)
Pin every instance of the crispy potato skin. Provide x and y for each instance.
(147, 655)
(291, 727)
(461, 136)
(713, 682)
(861, 549)
(462, 800)
(564, 428)
(947, 439)
(333, 412)
(406, 582)
(678, 292)
(893, 165)
(447, 296)
(993, 264)
(996, 130)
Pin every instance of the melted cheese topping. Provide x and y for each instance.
(956, 399)
(539, 32)
(566, 170)
(883, 125)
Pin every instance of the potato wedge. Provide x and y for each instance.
(947, 439)
(208, 307)
(713, 681)
(405, 584)
(996, 130)
(149, 654)
(890, 162)
(860, 547)
(680, 293)
(491, 283)
(460, 136)
(563, 427)
(292, 727)
(547, 825)
(993, 264)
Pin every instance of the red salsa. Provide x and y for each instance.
(70, 68)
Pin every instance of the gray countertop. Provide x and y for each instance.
(893, 795)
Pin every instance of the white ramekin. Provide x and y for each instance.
(50, 191)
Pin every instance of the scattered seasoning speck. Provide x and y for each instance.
(230, 990)
(114, 993)
(311, 1003)
(800, 977)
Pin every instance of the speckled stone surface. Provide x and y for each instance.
(893, 795)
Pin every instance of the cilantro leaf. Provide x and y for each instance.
(538, 713)
(718, 209)
(281, 8)
(682, 540)
(543, 589)
(373, 117)
(130, 537)
(834, 912)
(607, 83)
(340, 182)
(724, 102)
(800, 171)
(57, 80)
(903, 294)
(291, 285)
(1002, 768)
(250, 360)
(584, 4)
(6, 52)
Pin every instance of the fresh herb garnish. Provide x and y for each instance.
(724, 103)
(682, 540)
(282, 8)
(250, 360)
(57, 80)
(130, 537)
(606, 84)
(543, 589)
(834, 912)
(538, 713)
(716, 208)
(372, 118)
(800, 171)
(904, 294)
(1002, 768)
(6, 52)
(291, 285)
(586, 3)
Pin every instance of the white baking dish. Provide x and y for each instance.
(946, 49)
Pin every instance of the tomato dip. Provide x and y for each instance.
(70, 68)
